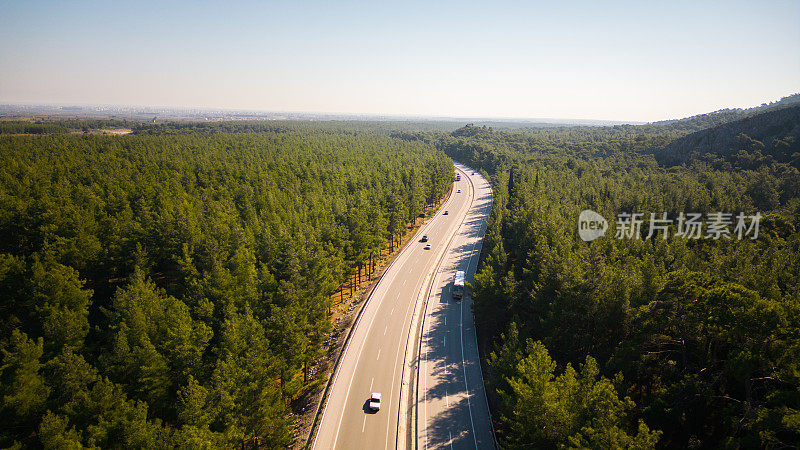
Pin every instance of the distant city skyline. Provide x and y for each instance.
(620, 61)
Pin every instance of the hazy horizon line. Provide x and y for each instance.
(384, 116)
(403, 116)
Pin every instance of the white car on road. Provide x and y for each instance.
(375, 401)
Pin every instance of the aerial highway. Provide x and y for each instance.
(415, 345)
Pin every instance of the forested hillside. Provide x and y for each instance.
(634, 343)
(754, 140)
(170, 290)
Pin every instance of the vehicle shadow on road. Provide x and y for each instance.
(367, 409)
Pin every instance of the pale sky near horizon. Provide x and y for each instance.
(637, 61)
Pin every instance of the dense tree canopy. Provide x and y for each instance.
(171, 289)
(688, 342)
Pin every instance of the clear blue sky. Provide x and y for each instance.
(618, 60)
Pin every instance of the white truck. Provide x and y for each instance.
(458, 285)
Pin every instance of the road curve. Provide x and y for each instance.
(375, 356)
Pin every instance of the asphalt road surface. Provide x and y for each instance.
(452, 411)
(449, 398)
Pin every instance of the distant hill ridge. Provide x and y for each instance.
(774, 133)
(708, 120)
